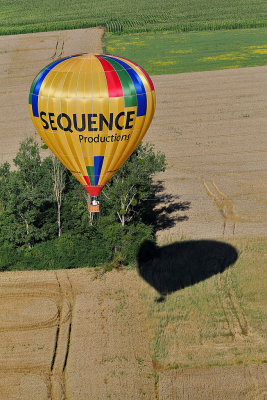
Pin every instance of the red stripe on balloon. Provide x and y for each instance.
(113, 81)
(144, 72)
(86, 178)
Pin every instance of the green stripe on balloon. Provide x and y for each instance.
(128, 88)
(90, 172)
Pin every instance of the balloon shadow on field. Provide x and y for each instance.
(181, 264)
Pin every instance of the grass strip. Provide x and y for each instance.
(169, 52)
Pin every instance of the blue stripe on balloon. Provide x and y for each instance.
(37, 87)
(138, 84)
(98, 162)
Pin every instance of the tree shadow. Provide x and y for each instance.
(164, 212)
(181, 264)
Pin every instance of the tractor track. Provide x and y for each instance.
(63, 336)
(226, 208)
(59, 50)
(61, 298)
(235, 317)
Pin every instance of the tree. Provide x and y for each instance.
(25, 196)
(132, 184)
(59, 182)
(43, 209)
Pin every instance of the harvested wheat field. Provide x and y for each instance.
(212, 128)
(89, 335)
(73, 334)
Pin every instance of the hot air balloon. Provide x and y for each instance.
(92, 111)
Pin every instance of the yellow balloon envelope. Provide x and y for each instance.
(92, 111)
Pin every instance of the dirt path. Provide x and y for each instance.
(21, 59)
(73, 335)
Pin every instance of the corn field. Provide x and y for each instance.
(131, 17)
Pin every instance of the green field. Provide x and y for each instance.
(169, 52)
(221, 320)
(127, 16)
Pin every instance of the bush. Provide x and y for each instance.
(133, 239)
(64, 252)
(8, 256)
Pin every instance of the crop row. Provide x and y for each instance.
(129, 17)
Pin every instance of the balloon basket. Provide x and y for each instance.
(94, 205)
(93, 208)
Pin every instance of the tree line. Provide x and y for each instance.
(44, 217)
